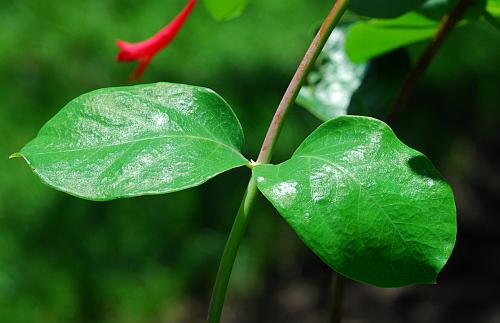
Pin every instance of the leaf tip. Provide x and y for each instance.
(15, 155)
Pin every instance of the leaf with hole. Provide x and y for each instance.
(372, 208)
(136, 140)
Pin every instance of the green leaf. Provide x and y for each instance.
(225, 9)
(137, 140)
(493, 7)
(367, 39)
(492, 13)
(372, 208)
(330, 85)
(384, 8)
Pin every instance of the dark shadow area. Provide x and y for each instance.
(383, 79)
(423, 166)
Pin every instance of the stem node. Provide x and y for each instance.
(241, 220)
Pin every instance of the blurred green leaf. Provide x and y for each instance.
(384, 8)
(493, 7)
(372, 208)
(492, 17)
(137, 140)
(368, 39)
(330, 85)
(225, 9)
(336, 86)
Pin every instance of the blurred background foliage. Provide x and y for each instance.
(153, 259)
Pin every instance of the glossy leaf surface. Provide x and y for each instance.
(372, 208)
(330, 85)
(384, 8)
(225, 9)
(137, 140)
(368, 39)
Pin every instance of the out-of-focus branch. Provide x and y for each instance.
(337, 297)
(447, 25)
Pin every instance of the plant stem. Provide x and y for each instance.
(242, 217)
(337, 297)
(491, 20)
(447, 25)
(230, 251)
(298, 79)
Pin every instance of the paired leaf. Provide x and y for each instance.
(368, 39)
(372, 208)
(330, 85)
(225, 9)
(384, 8)
(136, 140)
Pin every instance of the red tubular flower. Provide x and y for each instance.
(144, 51)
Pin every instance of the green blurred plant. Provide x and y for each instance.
(372, 208)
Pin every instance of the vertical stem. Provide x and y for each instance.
(242, 217)
(447, 25)
(298, 79)
(229, 254)
(337, 297)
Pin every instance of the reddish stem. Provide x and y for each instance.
(298, 79)
(447, 25)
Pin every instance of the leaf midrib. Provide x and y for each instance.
(141, 140)
(369, 195)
